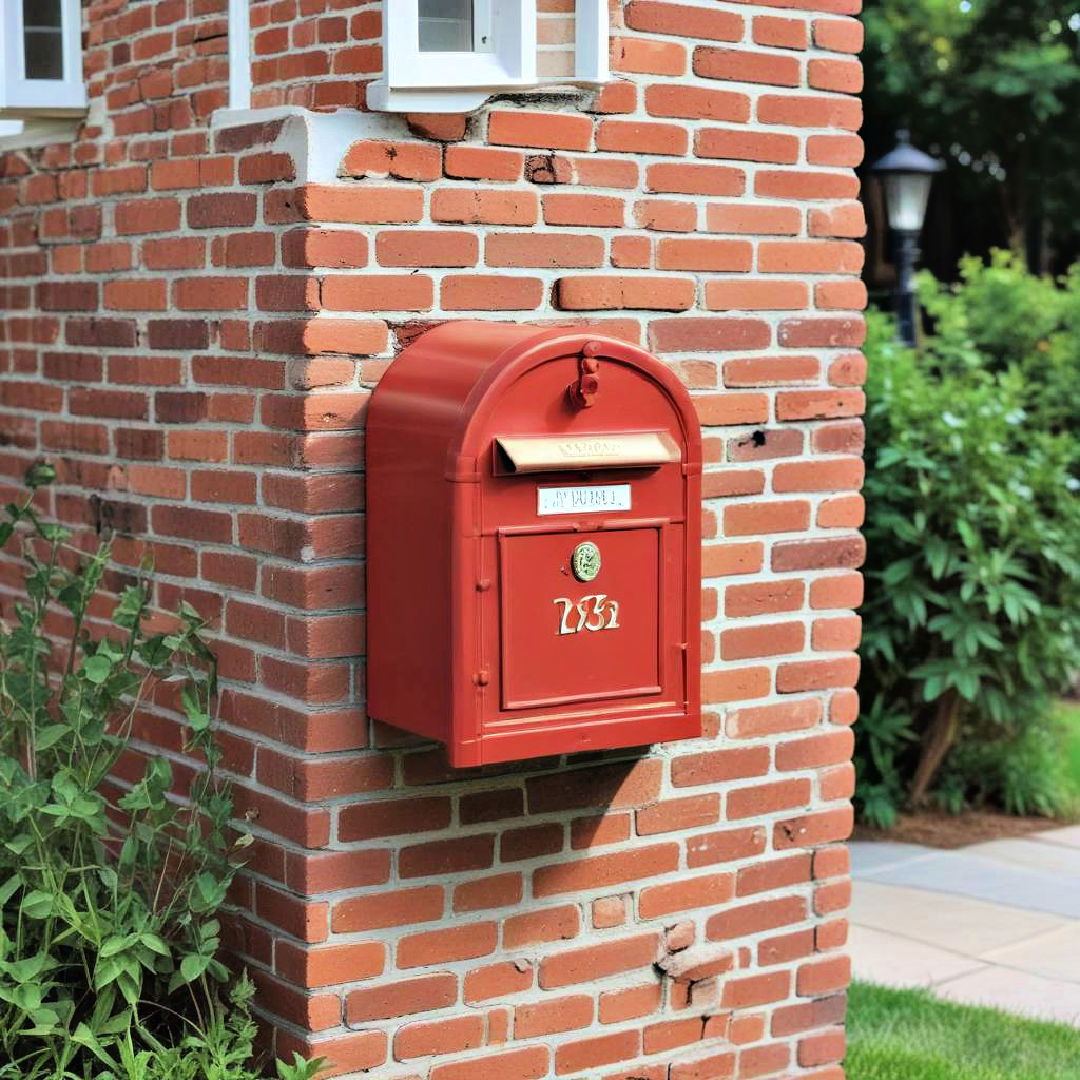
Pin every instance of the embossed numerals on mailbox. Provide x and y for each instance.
(533, 544)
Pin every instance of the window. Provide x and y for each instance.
(452, 26)
(450, 55)
(41, 58)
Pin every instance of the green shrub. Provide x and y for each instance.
(972, 618)
(109, 930)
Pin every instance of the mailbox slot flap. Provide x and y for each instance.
(558, 453)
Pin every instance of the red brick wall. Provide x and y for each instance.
(192, 336)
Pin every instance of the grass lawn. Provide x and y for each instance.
(909, 1035)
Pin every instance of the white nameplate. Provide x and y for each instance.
(582, 500)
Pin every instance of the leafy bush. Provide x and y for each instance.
(109, 929)
(972, 619)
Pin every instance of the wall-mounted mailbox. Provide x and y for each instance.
(533, 544)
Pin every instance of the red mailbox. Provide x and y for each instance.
(533, 544)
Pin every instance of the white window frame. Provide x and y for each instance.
(507, 59)
(23, 97)
(239, 54)
(416, 81)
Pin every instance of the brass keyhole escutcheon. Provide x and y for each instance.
(585, 562)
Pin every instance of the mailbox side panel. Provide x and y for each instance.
(408, 575)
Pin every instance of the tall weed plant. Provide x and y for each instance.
(110, 898)
(972, 618)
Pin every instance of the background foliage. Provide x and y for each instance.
(972, 620)
(995, 86)
(109, 929)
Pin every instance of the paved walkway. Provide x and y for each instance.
(993, 924)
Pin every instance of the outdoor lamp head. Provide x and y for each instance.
(907, 174)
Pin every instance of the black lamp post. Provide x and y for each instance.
(907, 174)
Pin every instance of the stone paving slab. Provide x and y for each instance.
(1051, 858)
(961, 874)
(1017, 992)
(962, 925)
(1069, 836)
(882, 958)
(866, 858)
(995, 924)
(1054, 955)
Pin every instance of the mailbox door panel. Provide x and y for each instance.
(580, 616)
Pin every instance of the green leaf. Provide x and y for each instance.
(37, 904)
(96, 668)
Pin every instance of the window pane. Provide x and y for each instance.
(446, 25)
(43, 39)
(38, 13)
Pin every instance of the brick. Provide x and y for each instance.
(676, 815)
(551, 131)
(627, 784)
(810, 112)
(682, 20)
(781, 33)
(528, 1063)
(438, 1038)
(479, 206)
(727, 845)
(365, 821)
(838, 35)
(611, 292)
(645, 56)
(696, 103)
(808, 830)
(737, 144)
(597, 961)
(361, 206)
(840, 76)
(819, 404)
(601, 1050)
(752, 295)
(486, 292)
(686, 178)
(552, 1017)
(401, 998)
(432, 947)
(676, 253)
(413, 247)
(695, 894)
(403, 907)
(772, 639)
(642, 137)
(718, 766)
(591, 211)
(548, 924)
(395, 159)
(543, 250)
(744, 66)
(601, 871)
(497, 980)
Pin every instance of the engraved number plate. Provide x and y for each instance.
(594, 499)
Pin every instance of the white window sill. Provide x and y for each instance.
(41, 131)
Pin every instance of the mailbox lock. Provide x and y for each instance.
(585, 562)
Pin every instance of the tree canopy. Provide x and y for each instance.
(993, 86)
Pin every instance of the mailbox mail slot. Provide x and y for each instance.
(533, 544)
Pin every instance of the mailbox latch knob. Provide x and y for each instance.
(583, 392)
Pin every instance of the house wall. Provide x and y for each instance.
(194, 323)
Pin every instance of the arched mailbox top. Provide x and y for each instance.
(455, 378)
